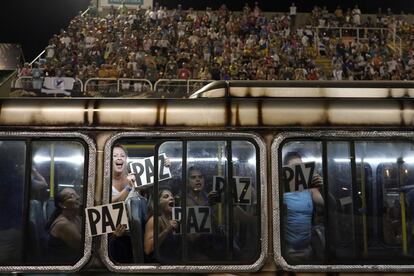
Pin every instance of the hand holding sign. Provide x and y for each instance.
(106, 218)
(213, 197)
(131, 180)
(120, 230)
(172, 226)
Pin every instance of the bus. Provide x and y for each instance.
(267, 177)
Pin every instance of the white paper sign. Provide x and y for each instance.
(242, 189)
(299, 176)
(105, 218)
(198, 218)
(144, 170)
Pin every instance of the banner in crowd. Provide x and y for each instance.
(58, 85)
(131, 3)
(126, 2)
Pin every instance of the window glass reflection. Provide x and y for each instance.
(368, 216)
(12, 172)
(169, 243)
(190, 215)
(340, 200)
(56, 200)
(207, 219)
(133, 177)
(246, 229)
(303, 202)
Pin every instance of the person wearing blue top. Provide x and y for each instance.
(299, 213)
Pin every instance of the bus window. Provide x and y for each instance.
(12, 175)
(56, 200)
(131, 181)
(341, 200)
(367, 202)
(245, 207)
(192, 215)
(221, 224)
(169, 244)
(42, 198)
(303, 228)
(386, 209)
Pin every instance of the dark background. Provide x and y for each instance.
(32, 23)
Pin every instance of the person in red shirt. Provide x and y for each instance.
(184, 73)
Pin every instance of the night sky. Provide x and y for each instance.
(32, 22)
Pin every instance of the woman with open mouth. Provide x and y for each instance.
(168, 242)
(122, 181)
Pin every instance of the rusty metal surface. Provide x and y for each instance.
(210, 113)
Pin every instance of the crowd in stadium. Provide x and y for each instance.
(225, 45)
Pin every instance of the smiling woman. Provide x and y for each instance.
(122, 182)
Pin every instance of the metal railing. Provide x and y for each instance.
(137, 86)
(359, 33)
(116, 87)
(177, 88)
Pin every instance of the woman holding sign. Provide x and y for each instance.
(121, 248)
(168, 244)
(122, 181)
(128, 247)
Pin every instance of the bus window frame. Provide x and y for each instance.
(278, 142)
(185, 136)
(89, 180)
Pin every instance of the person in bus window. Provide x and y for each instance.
(169, 243)
(196, 195)
(11, 208)
(39, 186)
(120, 242)
(122, 181)
(64, 226)
(202, 245)
(127, 247)
(410, 215)
(300, 206)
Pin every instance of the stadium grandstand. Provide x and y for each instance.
(119, 50)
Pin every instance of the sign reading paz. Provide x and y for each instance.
(105, 218)
(198, 218)
(144, 170)
(242, 188)
(298, 177)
